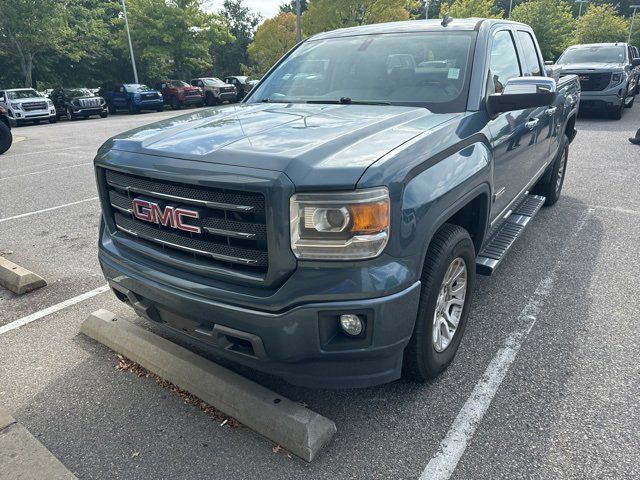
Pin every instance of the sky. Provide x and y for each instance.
(266, 8)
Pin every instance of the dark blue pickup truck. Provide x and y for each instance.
(328, 230)
(133, 97)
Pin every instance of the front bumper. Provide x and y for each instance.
(89, 111)
(228, 97)
(192, 100)
(301, 343)
(609, 99)
(32, 115)
(149, 104)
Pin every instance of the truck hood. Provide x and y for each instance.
(591, 67)
(314, 145)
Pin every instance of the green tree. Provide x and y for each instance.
(601, 23)
(470, 8)
(324, 15)
(173, 37)
(242, 23)
(32, 28)
(274, 37)
(290, 7)
(552, 23)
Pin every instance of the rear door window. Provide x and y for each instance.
(531, 61)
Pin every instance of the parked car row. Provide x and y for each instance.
(22, 105)
(609, 75)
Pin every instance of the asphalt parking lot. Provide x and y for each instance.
(545, 385)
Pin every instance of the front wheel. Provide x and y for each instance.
(6, 138)
(175, 103)
(617, 113)
(112, 109)
(70, 115)
(550, 185)
(448, 278)
(132, 109)
(53, 119)
(103, 115)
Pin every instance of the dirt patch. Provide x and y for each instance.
(126, 365)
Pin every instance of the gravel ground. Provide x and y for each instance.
(567, 408)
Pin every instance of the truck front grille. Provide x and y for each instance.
(89, 102)
(594, 82)
(232, 225)
(30, 106)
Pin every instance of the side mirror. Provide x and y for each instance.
(522, 93)
(548, 62)
(635, 62)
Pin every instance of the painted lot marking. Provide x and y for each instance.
(45, 171)
(52, 309)
(454, 444)
(22, 215)
(36, 153)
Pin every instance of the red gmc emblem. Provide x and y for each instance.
(169, 217)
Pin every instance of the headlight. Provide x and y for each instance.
(50, 103)
(16, 106)
(616, 78)
(340, 226)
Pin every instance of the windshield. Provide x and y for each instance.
(17, 94)
(427, 69)
(177, 83)
(78, 92)
(593, 54)
(136, 88)
(213, 82)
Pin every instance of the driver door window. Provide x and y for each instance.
(504, 64)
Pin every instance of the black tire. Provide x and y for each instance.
(550, 185)
(53, 119)
(421, 359)
(160, 109)
(133, 110)
(6, 138)
(617, 113)
(103, 115)
(112, 109)
(175, 103)
(70, 116)
(210, 100)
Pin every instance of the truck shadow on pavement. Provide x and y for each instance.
(103, 423)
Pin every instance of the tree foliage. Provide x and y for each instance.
(601, 24)
(324, 15)
(275, 37)
(290, 7)
(173, 38)
(470, 8)
(552, 23)
(242, 23)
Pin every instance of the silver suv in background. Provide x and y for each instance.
(608, 75)
(215, 90)
(26, 105)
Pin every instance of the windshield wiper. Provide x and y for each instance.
(269, 100)
(348, 101)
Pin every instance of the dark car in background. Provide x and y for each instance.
(74, 103)
(133, 97)
(215, 90)
(242, 83)
(6, 138)
(607, 73)
(180, 94)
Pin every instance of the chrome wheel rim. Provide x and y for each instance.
(450, 304)
(560, 176)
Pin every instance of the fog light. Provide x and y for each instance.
(351, 324)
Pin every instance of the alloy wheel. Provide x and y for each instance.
(450, 304)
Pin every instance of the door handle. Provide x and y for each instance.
(551, 110)
(531, 124)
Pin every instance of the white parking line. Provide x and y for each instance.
(45, 171)
(54, 308)
(454, 444)
(47, 209)
(41, 151)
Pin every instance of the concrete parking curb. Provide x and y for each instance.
(17, 279)
(289, 424)
(23, 457)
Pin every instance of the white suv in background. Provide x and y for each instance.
(27, 105)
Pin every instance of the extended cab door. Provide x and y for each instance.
(514, 134)
(120, 97)
(545, 133)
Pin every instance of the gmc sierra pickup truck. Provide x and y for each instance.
(328, 229)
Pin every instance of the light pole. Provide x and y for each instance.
(580, 9)
(632, 17)
(298, 22)
(426, 10)
(510, 7)
(133, 58)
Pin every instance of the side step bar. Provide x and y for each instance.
(503, 239)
